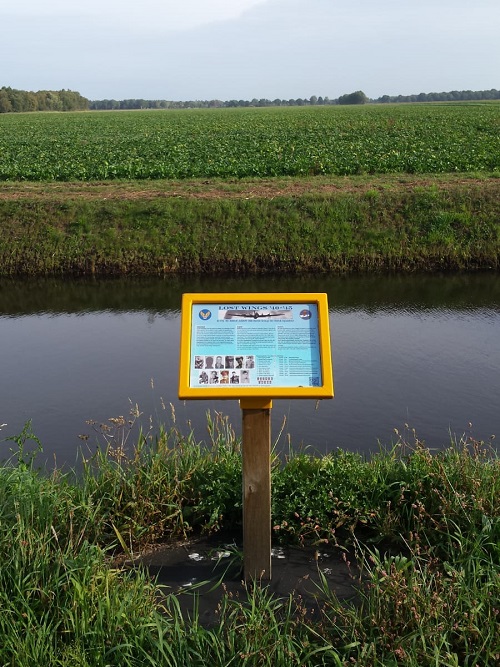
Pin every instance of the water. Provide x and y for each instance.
(409, 353)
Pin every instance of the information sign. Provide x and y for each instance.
(255, 345)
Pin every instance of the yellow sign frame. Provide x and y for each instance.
(187, 391)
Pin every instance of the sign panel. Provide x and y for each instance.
(244, 345)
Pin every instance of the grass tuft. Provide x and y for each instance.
(425, 529)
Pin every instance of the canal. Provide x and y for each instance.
(416, 354)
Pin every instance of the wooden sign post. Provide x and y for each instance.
(256, 489)
(255, 347)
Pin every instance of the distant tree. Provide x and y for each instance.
(18, 100)
(42, 100)
(452, 96)
(5, 103)
(72, 101)
(31, 102)
(357, 97)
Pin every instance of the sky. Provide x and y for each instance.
(245, 49)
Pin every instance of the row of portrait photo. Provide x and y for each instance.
(224, 377)
(226, 361)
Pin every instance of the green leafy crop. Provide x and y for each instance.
(239, 143)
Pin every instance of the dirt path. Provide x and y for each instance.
(235, 189)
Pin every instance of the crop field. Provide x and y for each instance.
(243, 143)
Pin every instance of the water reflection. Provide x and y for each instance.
(419, 350)
(371, 293)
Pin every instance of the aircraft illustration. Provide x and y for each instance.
(256, 314)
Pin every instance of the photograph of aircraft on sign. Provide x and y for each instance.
(234, 314)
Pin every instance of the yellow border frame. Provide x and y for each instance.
(239, 392)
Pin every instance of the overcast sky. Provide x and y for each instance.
(241, 49)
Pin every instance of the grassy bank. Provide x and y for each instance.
(321, 224)
(65, 600)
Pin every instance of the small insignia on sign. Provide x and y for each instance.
(205, 314)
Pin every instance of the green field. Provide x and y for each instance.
(239, 143)
(330, 189)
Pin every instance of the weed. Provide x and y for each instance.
(425, 529)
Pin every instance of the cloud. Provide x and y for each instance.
(144, 15)
(251, 48)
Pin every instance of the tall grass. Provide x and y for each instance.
(425, 529)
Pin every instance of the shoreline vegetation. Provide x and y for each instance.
(334, 224)
(425, 528)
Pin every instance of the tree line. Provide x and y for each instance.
(43, 100)
(453, 96)
(357, 97)
(12, 100)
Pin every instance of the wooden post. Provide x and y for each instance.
(256, 489)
